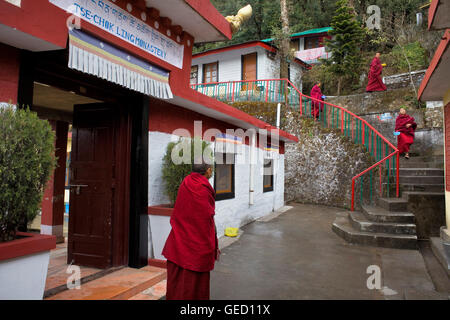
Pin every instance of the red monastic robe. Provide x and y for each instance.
(406, 137)
(375, 82)
(316, 93)
(192, 246)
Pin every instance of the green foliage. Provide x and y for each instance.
(415, 53)
(345, 46)
(26, 164)
(177, 163)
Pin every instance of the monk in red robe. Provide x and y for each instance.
(316, 106)
(375, 82)
(192, 246)
(406, 125)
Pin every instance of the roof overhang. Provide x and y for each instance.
(22, 40)
(435, 83)
(210, 107)
(438, 15)
(204, 22)
(238, 46)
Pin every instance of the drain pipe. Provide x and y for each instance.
(278, 115)
(252, 168)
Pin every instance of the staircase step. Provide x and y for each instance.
(416, 164)
(405, 194)
(393, 204)
(119, 285)
(344, 229)
(361, 223)
(422, 179)
(428, 158)
(378, 214)
(422, 187)
(421, 172)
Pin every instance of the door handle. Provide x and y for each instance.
(78, 186)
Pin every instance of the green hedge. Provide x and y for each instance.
(174, 173)
(26, 164)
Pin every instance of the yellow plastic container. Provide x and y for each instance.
(231, 232)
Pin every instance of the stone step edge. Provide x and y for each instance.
(374, 234)
(378, 223)
(387, 212)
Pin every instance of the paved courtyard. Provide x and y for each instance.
(297, 256)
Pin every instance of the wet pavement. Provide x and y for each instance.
(297, 256)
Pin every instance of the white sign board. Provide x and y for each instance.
(111, 18)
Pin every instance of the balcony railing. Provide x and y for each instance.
(271, 90)
(329, 116)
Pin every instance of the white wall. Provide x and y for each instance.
(230, 64)
(229, 213)
(296, 74)
(23, 278)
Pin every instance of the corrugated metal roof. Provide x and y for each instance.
(304, 33)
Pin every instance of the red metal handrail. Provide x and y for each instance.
(275, 90)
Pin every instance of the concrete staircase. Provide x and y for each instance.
(388, 223)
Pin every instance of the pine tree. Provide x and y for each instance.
(345, 45)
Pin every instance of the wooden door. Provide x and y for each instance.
(92, 185)
(249, 70)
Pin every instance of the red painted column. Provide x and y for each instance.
(52, 220)
(9, 73)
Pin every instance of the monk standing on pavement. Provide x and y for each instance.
(192, 246)
(406, 125)
(375, 82)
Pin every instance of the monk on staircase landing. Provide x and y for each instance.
(406, 125)
(375, 82)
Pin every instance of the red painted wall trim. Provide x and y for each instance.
(434, 62)
(31, 244)
(447, 145)
(214, 104)
(157, 263)
(160, 210)
(210, 14)
(432, 12)
(184, 118)
(38, 18)
(236, 47)
(9, 73)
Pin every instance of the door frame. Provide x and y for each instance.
(129, 217)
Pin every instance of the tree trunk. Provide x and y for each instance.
(285, 42)
(339, 86)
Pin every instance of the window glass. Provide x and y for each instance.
(210, 72)
(268, 175)
(224, 176)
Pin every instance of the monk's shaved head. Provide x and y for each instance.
(201, 168)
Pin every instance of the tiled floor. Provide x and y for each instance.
(147, 283)
(57, 275)
(119, 285)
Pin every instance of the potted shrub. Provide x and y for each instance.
(26, 164)
(174, 172)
